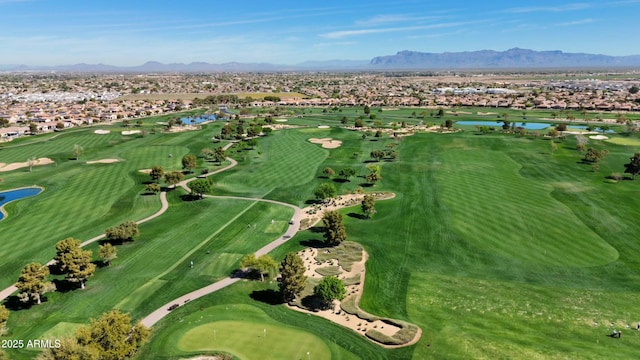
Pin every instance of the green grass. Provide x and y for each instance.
(493, 246)
(253, 339)
(627, 141)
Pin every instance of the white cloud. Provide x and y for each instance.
(560, 8)
(576, 22)
(347, 33)
(391, 18)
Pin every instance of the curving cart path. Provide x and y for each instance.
(163, 311)
(5, 293)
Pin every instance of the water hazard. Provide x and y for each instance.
(17, 194)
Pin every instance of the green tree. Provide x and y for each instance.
(33, 283)
(374, 174)
(174, 177)
(391, 154)
(358, 123)
(219, 155)
(77, 151)
(5, 123)
(334, 231)
(448, 123)
(325, 191)
(189, 162)
(633, 167)
(63, 248)
(4, 316)
(113, 336)
(156, 173)
(344, 120)
(347, 172)
(368, 205)
(33, 128)
(329, 172)
(206, 153)
(79, 266)
(123, 232)
(200, 187)
(152, 188)
(292, 280)
(593, 155)
(107, 253)
(367, 109)
(330, 288)
(377, 155)
(69, 349)
(261, 265)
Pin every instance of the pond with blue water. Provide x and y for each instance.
(526, 125)
(16, 194)
(198, 119)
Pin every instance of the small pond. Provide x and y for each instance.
(498, 124)
(527, 125)
(17, 194)
(198, 119)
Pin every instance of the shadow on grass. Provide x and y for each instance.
(317, 229)
(54, 269)
(357, 216)
(64, 286)
(190, 197)
(314, 243)
(114, 242)
(313, 303)
(340, 180)
(13, 303)
(268, 296)
(366, 185)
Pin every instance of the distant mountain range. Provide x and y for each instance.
(511, 59)
(515, 58)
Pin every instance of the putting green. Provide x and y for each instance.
(624, 141)
(254, 340)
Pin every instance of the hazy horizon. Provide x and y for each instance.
(49, 33)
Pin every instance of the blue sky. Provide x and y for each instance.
(131, 32)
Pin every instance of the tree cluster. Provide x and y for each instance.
(33, 283)
(73, 261)
(123, 232)
(199, 187)
(325, 191)
(110, 337)
(594, 155)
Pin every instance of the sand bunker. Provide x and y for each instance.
(101, 132)
(338, 316)
(323, 126)
(145, 171)
(327, 143)
(103, 161)
(282, 120)
(18, 165)
(131, 132)
(598, 137)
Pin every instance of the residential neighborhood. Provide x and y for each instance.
(44, 102)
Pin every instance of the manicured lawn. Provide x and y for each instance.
(495, 247)
(247, 332)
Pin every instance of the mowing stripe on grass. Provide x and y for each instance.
(203, 242)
